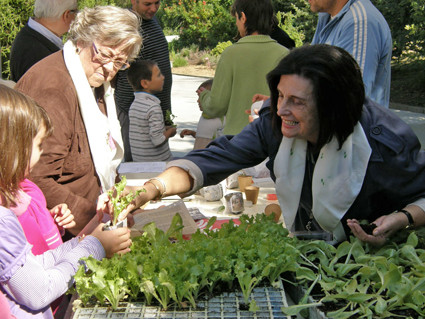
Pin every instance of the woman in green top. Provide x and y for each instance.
(241, 71)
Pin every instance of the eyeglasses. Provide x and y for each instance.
(74, 11)
(105, 59)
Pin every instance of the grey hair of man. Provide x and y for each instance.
(109, 26)
(53, 8)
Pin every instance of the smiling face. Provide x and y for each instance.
(297, 109)
(146, 8)
(97, 71)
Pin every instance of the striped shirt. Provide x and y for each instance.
(147, 140)
(154, 47)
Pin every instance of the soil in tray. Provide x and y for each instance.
(368, 228)
(402, 313)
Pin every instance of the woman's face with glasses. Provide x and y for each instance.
(101, 63)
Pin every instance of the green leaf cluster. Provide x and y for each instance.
(200, 22)
(179, 272)
(362, 281)
(119, 202)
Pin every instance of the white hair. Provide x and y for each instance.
(53, 8)
(110, 26)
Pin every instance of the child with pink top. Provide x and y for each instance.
(31, 283)
(43, 228)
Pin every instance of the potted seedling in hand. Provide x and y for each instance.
(119, 203)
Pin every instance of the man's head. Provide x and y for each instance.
(329, 6)
(146, 76)
(58, 13)
(146, 8)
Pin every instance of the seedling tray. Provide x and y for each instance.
(269, 300)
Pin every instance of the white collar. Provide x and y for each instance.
(103, 132)
(45, 32)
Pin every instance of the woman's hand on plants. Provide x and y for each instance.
(115, 241)
(358, 231)
(385, 226)
(63, 216)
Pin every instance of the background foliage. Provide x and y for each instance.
(206, 23)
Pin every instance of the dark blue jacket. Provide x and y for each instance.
(395, 175)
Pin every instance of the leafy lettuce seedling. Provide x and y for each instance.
(169, 118)
(121, 202)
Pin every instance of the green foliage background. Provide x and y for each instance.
(205, 23)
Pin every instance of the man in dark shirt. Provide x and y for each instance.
(41, 36)
(155, 47)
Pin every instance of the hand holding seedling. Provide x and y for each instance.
(118, 202)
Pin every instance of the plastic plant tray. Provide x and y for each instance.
(269, 300)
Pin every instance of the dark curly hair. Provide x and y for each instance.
(338, 88)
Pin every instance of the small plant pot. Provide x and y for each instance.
(244, 181)
(234, 203)
(120, 224)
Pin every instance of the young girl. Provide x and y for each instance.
(30, 283)
(43, 228)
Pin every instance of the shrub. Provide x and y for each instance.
(179, 61)
(220, 47)
(203, 23)
(13, 16)
(296, 19)
(407, 24)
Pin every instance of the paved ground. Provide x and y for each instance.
(186, 110)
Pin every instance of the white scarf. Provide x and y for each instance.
(103, 132)
(337, 178)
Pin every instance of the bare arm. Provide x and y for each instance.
(176, 181)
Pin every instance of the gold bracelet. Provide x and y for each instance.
(160, 194)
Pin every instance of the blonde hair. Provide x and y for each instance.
(108, 25)
(20, 121)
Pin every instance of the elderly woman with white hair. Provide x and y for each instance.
(80, 158)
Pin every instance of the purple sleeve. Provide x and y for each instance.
(13, 245)
(35, 281)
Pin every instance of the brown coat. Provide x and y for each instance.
(65, 172)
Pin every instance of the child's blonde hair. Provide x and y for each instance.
(20, 121)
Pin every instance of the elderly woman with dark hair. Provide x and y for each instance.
(335, 156)
(73, 85)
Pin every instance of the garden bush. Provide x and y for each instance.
(204, 23)
(13, 16)
(407, 24)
